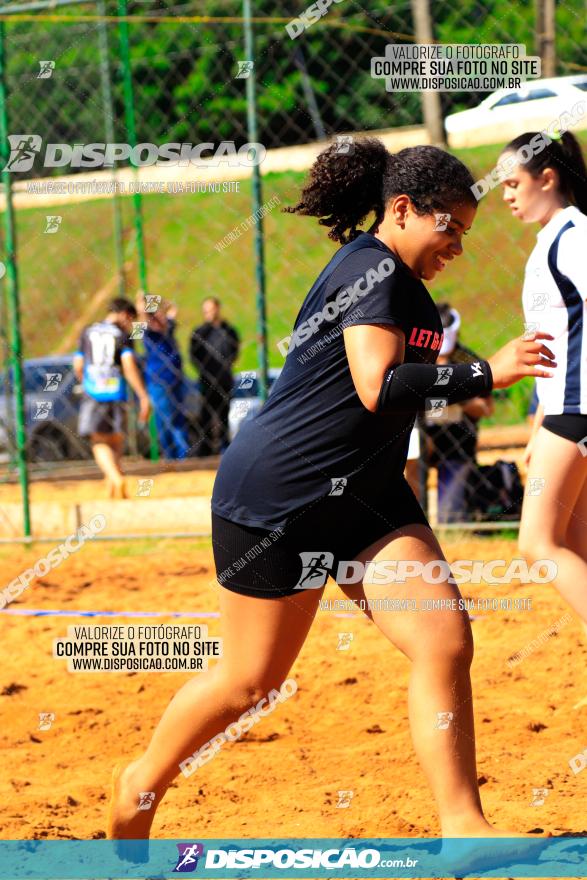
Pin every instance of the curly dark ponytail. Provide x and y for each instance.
(344, 188)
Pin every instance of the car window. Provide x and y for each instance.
(45, 377)
(524, 97)
(581, 85)
(512, 98)
(537, 94)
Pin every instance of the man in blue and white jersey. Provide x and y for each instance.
(104, 363)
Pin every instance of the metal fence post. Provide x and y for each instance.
(129, 112)
(252, 135)
(15, 343)
(106, 83)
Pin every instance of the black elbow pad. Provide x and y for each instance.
(407, 388)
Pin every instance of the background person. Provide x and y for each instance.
(550, 189)
(104, 363)
(214, 347)
(453, 436)
(164, 377)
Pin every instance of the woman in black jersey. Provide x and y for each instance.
(315, 482)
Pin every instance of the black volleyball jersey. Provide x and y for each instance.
(313, 436)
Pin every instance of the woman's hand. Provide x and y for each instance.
(524, 356)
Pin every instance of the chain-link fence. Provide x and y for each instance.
(160, 73)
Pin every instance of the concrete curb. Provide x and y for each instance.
(141, 516)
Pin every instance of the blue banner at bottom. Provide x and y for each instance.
(294, 857)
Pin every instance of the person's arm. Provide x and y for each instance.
(78, 366)
(140, 303)
(478, 407)
(132, 375)
(78, 358)
(385, 384)
(235, 340)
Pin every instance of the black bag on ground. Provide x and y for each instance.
(495, 492)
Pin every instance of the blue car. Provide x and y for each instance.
(52, 400)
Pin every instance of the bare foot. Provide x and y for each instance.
(130, 815)
(465, 853)
(117, 490)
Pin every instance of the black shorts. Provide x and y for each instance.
(280, 562)
(570, 426)
(101, 417)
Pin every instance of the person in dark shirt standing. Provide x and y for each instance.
(214, 348)
(453, 437)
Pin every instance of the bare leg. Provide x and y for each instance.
(261, 640)
(576, 538)
(554, 522)
(107, 450)
(440, 646)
